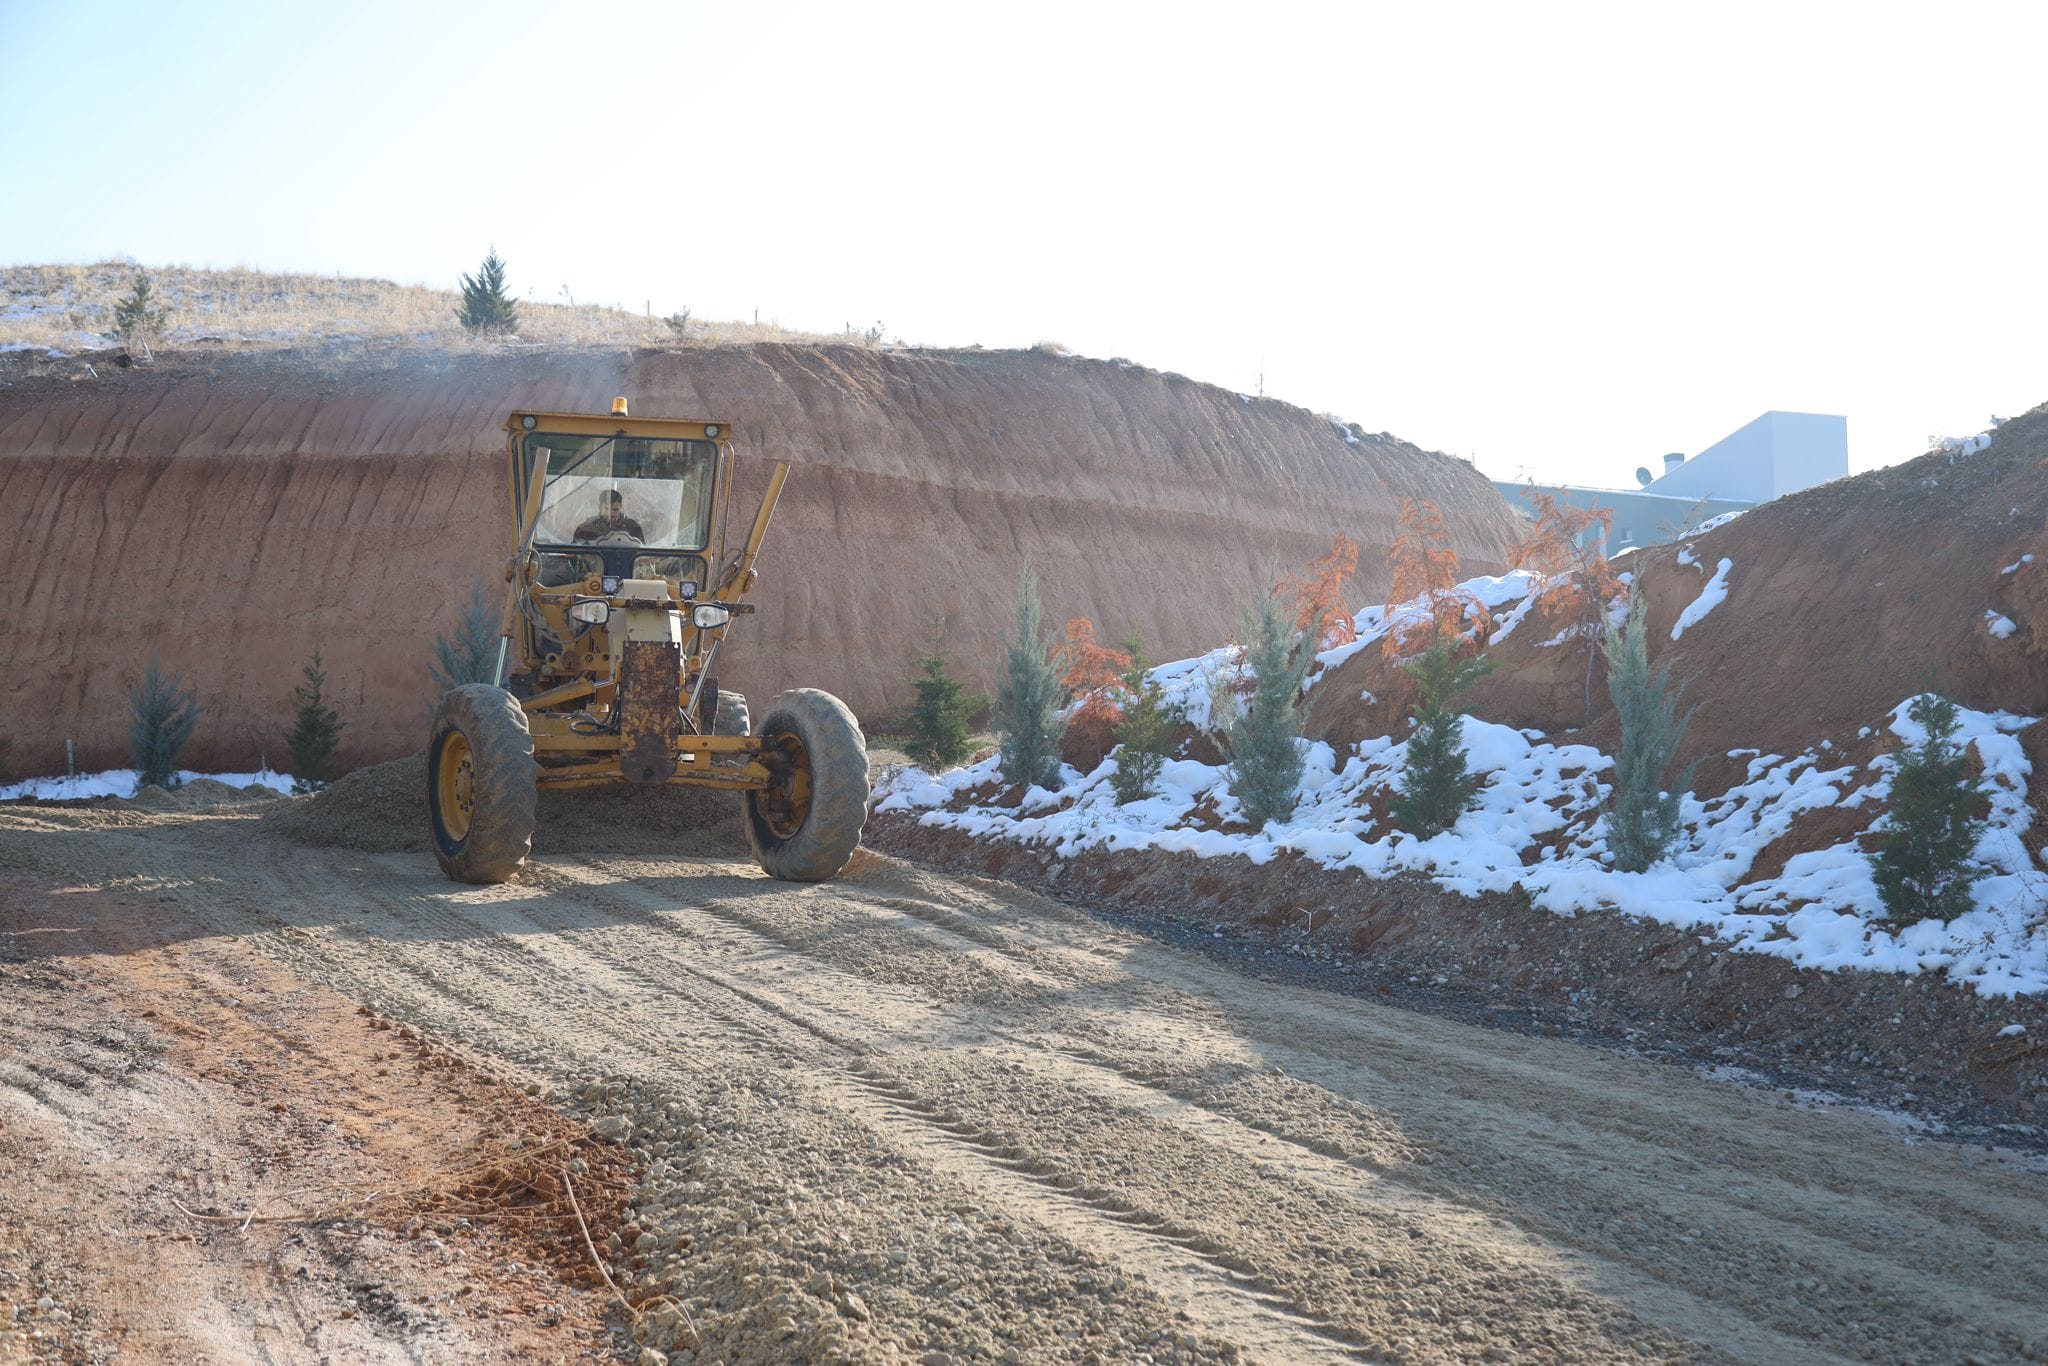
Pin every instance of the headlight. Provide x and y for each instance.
(593, 612)
(709, 617)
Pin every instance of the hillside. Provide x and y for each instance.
(70, 309)
(1802, 630)
(252, 506)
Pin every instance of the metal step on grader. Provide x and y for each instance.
(622, 588)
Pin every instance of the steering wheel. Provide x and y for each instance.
(617, 538)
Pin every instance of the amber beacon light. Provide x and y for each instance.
(618, 407)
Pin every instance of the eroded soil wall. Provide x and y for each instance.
(236, 513)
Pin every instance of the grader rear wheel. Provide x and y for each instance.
(731, 717)
(481, 778)
(806, 825)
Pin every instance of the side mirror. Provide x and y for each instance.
(709, 617)
(591, 613)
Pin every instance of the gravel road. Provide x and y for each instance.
(910, 1117)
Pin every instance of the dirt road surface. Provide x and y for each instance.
(906, 1117)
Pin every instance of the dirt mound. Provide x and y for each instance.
(293, 502)
(1841, 602)
(383, 809)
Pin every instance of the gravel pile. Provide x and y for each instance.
(383, 809)
(197, 795)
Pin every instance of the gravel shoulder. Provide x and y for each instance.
(926, 1117)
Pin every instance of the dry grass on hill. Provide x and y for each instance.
(71, 308)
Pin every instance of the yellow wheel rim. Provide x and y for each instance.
(455, 786)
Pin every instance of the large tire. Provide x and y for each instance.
(481, 784)
(807, 826)
(731, 717)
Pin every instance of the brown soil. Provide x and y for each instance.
(910, 1117)
(383, 809)
(1915, 1044)
(212, 1158)
(257, 507)
(1844, 600)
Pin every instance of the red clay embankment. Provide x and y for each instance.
(234, 513)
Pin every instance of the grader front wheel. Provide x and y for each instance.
(481, 778)
(807, 823)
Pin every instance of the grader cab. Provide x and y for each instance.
(622, 588)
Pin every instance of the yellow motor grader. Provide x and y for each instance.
(622, 588)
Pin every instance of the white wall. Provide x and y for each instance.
(1776, 454)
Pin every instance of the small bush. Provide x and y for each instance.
(1265, 758)
(1436, 788)
(1923, 864)
(316, 731)
(678, 322)
(1577, 583)
(1424, 568)
(162, 716)
(486, 307)
(938, 719)
(1142, 733)
(466, 652)
(1027, 702)
(138, 318)
(1643, 820)
(1320, 613)
(1092, 674)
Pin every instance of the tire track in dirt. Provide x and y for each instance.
(1252, 1155)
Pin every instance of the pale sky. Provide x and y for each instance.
(1563, 239)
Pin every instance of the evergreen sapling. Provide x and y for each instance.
(1436, 789)
(1142, 733)
(137, 318)
(1923, 863)
(1643, 817)
(162, 716)
(938, 719)
(1265, 758)
(1028, 699)
(486, 307)
(316, 731)
(468, 651)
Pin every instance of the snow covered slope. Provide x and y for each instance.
(1772, 863)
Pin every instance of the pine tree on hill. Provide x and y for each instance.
(1028, 698)
(162, 716)
(137, 318)
(468, 651)
(1265, 760)
(316, 731)
(1436, 789)
(1923, 864)
(938, 719)
(1142, 732)
(486, 307)
(1643, 820)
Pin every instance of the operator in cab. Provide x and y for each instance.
(610, 520)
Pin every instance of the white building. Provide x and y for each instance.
(1777, 454)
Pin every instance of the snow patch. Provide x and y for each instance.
(1711, 596)
(121, 782)
(1538, 825)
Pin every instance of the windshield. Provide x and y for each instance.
(624, 490)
